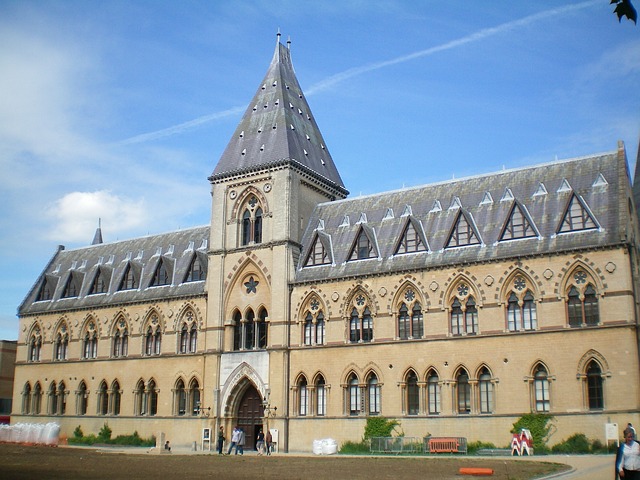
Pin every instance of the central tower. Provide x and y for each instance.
(275, 169)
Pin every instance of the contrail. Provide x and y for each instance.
(474, 37)
(354, 72)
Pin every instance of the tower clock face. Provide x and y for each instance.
(267, 187)
(232, 194)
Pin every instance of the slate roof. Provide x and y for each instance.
(600, 181)
(277, 129)
(176, 249)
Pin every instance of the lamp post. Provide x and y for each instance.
(202, 411)
(269, 412)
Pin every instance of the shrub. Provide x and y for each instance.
(576, 443)
(104, 435)
(380, 427)
(355, 448)
(540, 426)
(77, 433)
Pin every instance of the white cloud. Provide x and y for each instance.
(77, 213)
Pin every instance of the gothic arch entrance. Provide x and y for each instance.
(250, 415)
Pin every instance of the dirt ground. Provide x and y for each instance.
(18, 462)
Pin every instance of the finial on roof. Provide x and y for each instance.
(97, 238)
(289, 42)
(278, 35)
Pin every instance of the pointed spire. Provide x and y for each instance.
(278, 129)
(97, 238)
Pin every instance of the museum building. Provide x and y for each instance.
(454, 307)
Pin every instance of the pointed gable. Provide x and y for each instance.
(364, 245)
(412, 239)
(278, 128)
(518, 224)
(463, 232)
(577, 217)
(320, 252)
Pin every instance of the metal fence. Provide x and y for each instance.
(431, 445)
(397, 445)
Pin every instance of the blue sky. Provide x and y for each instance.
(120, 109)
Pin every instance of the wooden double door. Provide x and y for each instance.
(250, 416)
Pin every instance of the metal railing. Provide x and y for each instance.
(397, 445)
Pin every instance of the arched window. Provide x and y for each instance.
(308, 329)
(353, 395)
(354, 326)
(464, 315)
(181, 398)
(485, 386)
(62, 398)
(103, 399)
(403, 322)
(37, 399)
(303, 397)
(53, 399)
(541, 389)
(321, 396)
(116, 397)
(320, 329)
(252, 222)
(153, 398)
(361, 321)
(121, 340)
(152, 341)
(237, 330)
(82, 396)
(416, 321)
(249, 330)
(90, 342)
(61, 344)
(35, 345)
(257, 226)
(194, 397)
(262, 329)
(367, 325)
(26, 399)
(140, 399)
(433, 393)
(413, 394)
(374, 394)
(582, 301)
(595, 390)
(463, 392)
(193, 338)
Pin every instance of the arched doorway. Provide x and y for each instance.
(250, 415)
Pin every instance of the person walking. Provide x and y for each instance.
(235, 436)
(220, 439)
(268, 439)
(260, 442)
(241, 441)
(628, 457)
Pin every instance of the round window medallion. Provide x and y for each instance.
(267, 187)
(232, 194)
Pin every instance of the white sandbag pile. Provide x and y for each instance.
(34, 433)
(327, 446)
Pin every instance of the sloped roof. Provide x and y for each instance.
(600, 181)
(278, 128)
(176, 249)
